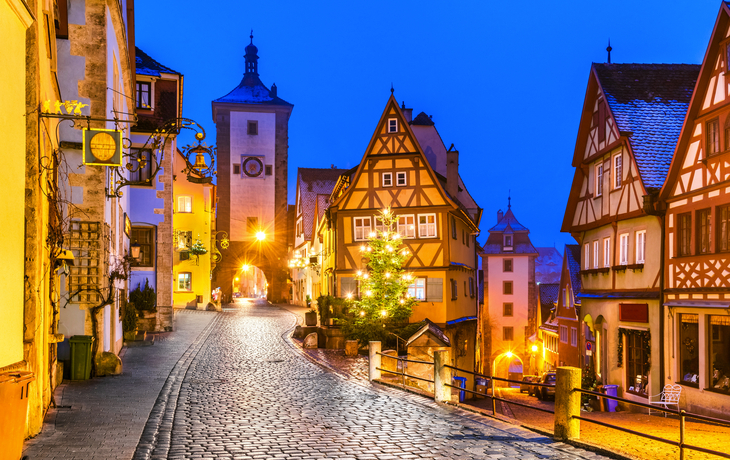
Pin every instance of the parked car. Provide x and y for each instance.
(527, 380)
(547, 378)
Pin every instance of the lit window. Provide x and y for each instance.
(617, 170)
(640, 246)
(379, 225)
(417, 290)
(362, 228)
(387, 179)
(564, 334)
(144, 100)
(599, 179)
(184, 281)
(586, 256)
(624, 249)
(607, 252)
(400, 179)
(595, 254)
(427, 225)
(573, 337)
(392, 125)
(407, 226)
(184, 204)
(143, 173)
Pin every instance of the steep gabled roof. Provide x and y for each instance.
(422, 119)
(649, 103)
(548, 299)
(548, 266)
(145, 65)
(508, 223)
(313, 184)
(572, 256)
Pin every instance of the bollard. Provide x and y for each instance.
(567, 403)
(373, 350)
(441, 375)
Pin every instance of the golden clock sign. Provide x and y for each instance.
(102, 147)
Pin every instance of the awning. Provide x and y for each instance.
(698, 303)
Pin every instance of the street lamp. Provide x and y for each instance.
(260, 235)
(135, 249)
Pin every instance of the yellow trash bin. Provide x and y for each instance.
(14, 388)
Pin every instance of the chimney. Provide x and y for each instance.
(500, 214)
(273, 90)
(452, 172)
(407, 113)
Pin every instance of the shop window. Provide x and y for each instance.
(637, 361)
(689, 339)
(720, 353)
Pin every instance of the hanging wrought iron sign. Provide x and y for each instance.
(102, 147)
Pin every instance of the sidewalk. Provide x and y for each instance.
(103, 418)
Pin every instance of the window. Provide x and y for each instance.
(640, 246)
(684, 229)
(417, 290)
(617, 171)
(453, 227)
(468, 238)
(573, 337)
(427, 225)
(720, 353)
(595, 254)
(400, 179)
(507, 265)
(463, 236)
(144, 172)
(507, 309)
(237, 169)
(703, 231)
(252, 128)
(392, 125)
(362, 228)
(564, 334)
(454, 293)
(624, 249)
(407, 226)
(268, 170)
(387, 179)
(601, 121)
(184, 241)
(723, 227)
(184, 204)
(144, 101)
(586, 256)
(464, 288)
(507, 287)
(348, 286)
(508, 334)
(727, 133)
(144, 237)
(471, 287)
(379, 225)
(185, 281)
(507, 239)
(713, 137)
(637, 365)
(599, 179)
(607, 252)
(689, 339)
(252, 225)
(565, 298)
(300, 227)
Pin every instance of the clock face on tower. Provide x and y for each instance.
(252, 166)
(102, 147)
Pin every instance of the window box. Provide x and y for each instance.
(634, 266)
(619, 268)
(595, 271)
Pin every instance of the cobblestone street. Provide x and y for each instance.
(242, 391)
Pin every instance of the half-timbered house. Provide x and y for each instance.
(697, 240)
(407, 168)
(628, 129)
(571, 337)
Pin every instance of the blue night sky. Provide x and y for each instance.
(504, 81)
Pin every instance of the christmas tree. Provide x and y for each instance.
(384, 298)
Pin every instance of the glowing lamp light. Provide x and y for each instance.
(236, 278)
(135, 249)
(534, 348)
(359, 273)
(261, 236)
(349, 295)
(386, 211)
(368, 293)
(383, 313)
(363, 248)
(389, 248)
(402, 301)
(245, 267)
(387, 275)
(369, 249)
(508, 354)
(362, 313)
(365, 275)
(372, 235)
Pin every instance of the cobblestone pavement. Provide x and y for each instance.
(249, 394)
(103, 418)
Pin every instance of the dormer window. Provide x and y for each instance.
(392, 125)
(507, 242)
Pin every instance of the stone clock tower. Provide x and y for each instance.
(252, 125)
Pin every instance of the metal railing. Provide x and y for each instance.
(565, 402)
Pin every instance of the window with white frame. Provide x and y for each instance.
(407, 226)
(599, 179)
(595, 254)
(184, 204)
(607, 252)
(564, 334)
(617, 171)
(401, 179)
(387, 179)
(417, 290)
(586, 256)
(392, 125)
(379, 225)
(573, 337)
(640, 246)
(362, 228)
(144, 92)
(427, 225)
(185, 281)
(623, 256)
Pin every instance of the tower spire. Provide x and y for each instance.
(509, 199)
(608, 48)
(252, 65)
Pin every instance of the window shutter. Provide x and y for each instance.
(434, 290)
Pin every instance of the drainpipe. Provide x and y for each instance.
(650, 207)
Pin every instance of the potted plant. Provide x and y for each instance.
(145, 301)
(129, 321)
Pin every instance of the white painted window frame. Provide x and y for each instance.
(392, 123)
(618, 171)
(185, 204)
(563, 334)
(641, 246)
(363, 229)
(404, 229)
(398, 178)
(595, 253)
(389, 177)
(426, 229)
(599, 179)
(624, 249)
(586, 256)
(417, 289)
(607, 251)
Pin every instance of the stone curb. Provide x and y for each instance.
(156, 436)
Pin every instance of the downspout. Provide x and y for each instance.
(650, 202)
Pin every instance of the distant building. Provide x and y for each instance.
(252, 126)
(509, 317)
(571, 334)
(546, 354)
(548, 265)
